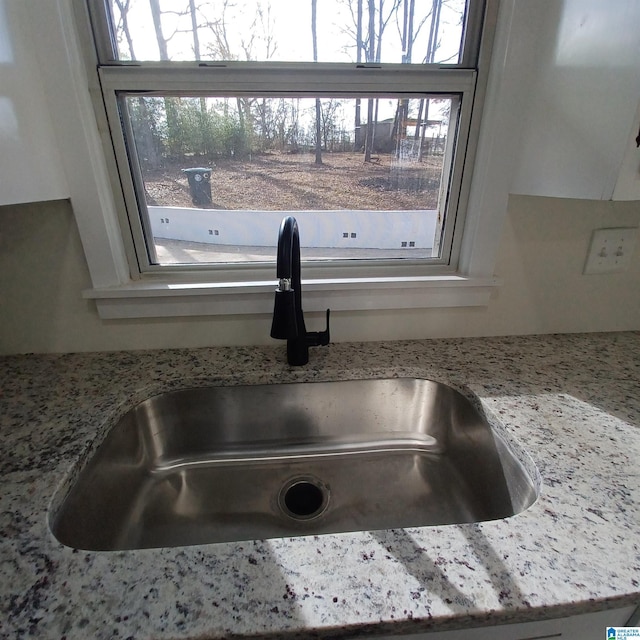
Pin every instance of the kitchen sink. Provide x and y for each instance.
(222, 464)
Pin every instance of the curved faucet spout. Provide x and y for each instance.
(288, 258)
(288, 317)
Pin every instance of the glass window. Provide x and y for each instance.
(387, 31)
(218, 174)
(352, 115)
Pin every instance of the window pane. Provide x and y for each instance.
(217, 175)
(389, 31)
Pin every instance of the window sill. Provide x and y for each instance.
(157, 300)
(101, 228)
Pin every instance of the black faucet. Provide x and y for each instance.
(288, 318)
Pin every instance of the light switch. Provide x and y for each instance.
(611, 250)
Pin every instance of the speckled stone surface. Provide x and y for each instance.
(571, 402)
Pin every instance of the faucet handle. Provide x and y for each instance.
(284, 324)
(319, 338)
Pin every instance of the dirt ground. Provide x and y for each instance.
(292, 182)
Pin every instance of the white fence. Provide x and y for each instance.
(326, 229)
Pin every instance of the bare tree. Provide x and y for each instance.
(422, 122)
(314, 37)
(409, 33)
(147, 140)
(156, 16)
(260, 30)
(194, 29)
(370, 133)
(221, 49)
(407, 39)
(368, 41)
(171, 104)
(329, 127)
(123, 25)
(197, 56)
(260, 33)
(358, 122)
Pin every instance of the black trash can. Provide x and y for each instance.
(199, 185)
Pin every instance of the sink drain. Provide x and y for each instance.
(304, 498)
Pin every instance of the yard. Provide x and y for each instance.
(293, 182)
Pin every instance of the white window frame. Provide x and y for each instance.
(119, 293)
(248, 79)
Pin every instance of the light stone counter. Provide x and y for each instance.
(571, 402)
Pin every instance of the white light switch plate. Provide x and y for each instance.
(611, 250)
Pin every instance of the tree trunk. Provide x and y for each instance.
(402, 111)
(314, 36)
(194, 29)
(432, 45)
(157, 25)
(424, 131)
(433, 31)
(169, 105)
(318, 132)
(196, 53)
(368, 143)
(358, 118)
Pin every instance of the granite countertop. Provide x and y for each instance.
(572, 402)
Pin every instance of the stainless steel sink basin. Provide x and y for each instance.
(237, 463)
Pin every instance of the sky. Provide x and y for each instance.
(289, 22)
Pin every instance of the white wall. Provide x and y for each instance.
(583, 96)
(541, 258)
(30, 166)
(364, 229)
